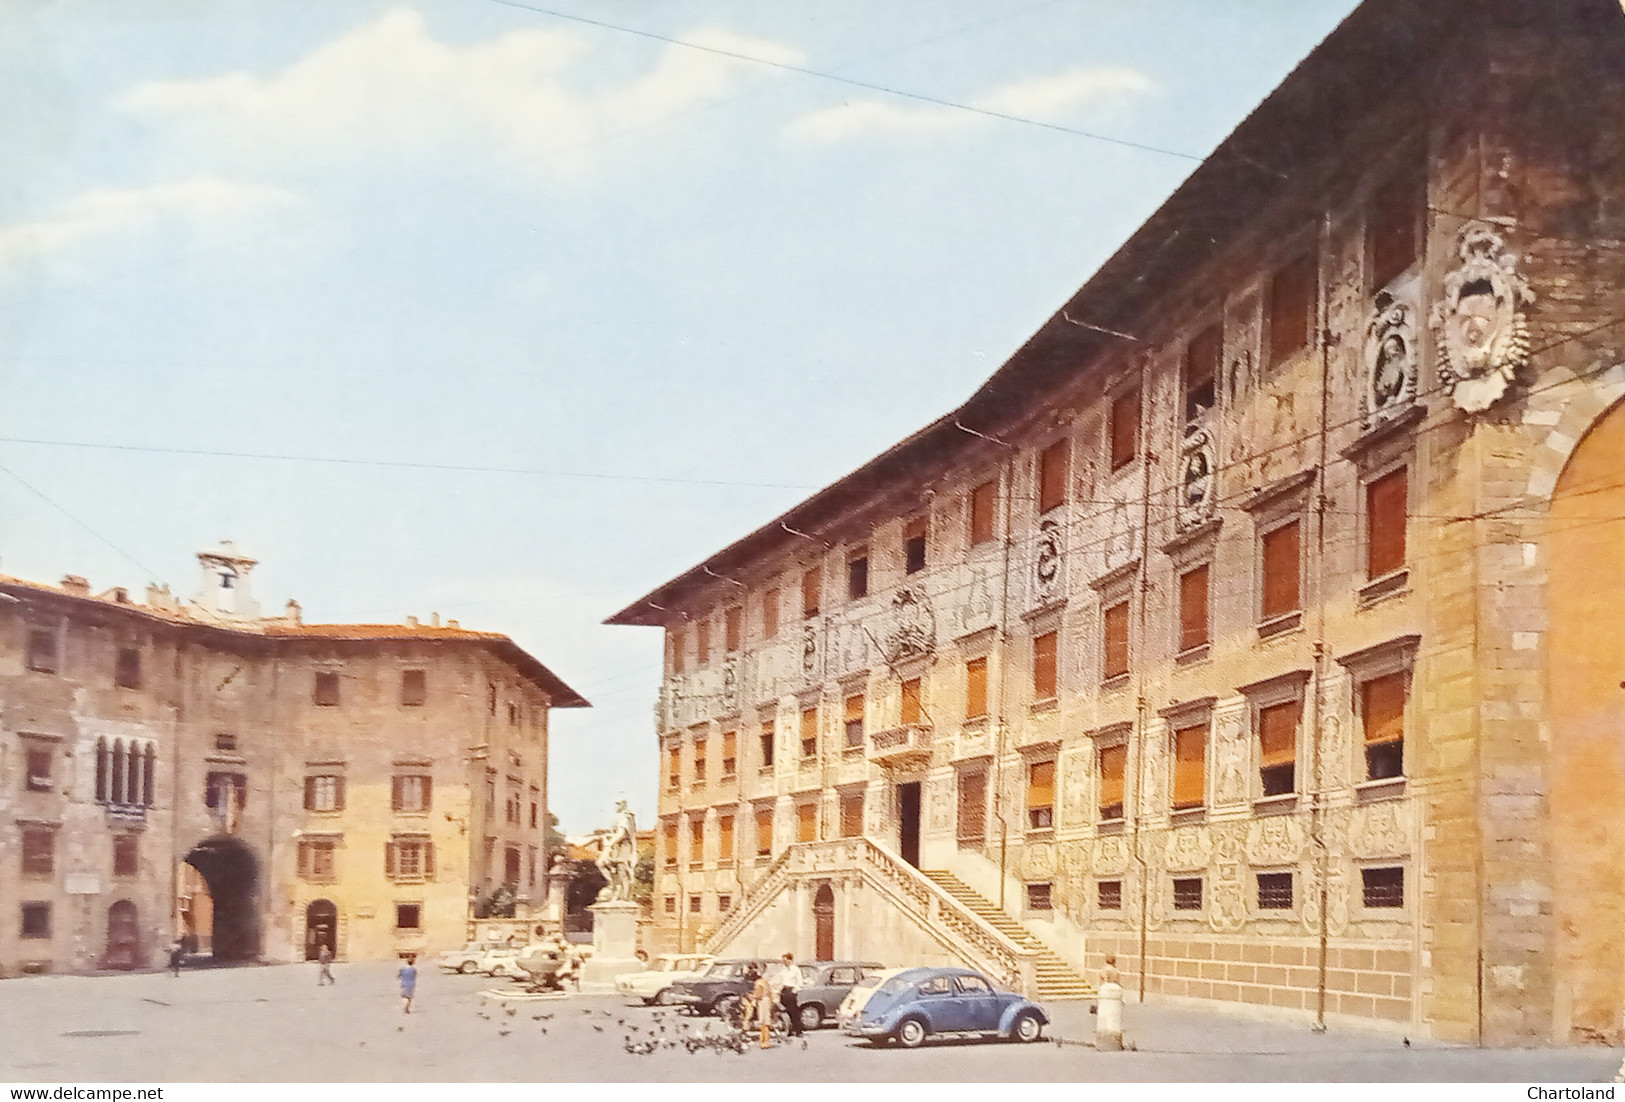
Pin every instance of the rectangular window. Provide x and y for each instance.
(39, 769)
(809, 732)
(1393, 239)
(411, 792)
(1044, 663)
(1109, 895)
(676, 638)
(671, 904)
(414, 688)
(1052, 475)
(491, 695)
(1291, 309)
(1040, 795)
(36, 921)
(976, 688)
(1190, 767)
(1383, 887)
(851, 814)
(1113, 762)
(1382, 713)
(857, 575)
(972, 809)
(225, 742)
(766, 740)
(225, 793)
(1125, 428)
(670, 829)
(770, 613)
(983, 503)
(1202, 356)
(127, 668)
(764, 832)
(324, 792)
(1385, 507)
(1193, 606)
(126, 854)
(730, 753)
(725, 839)
(1188, 893)
(724, 904)
(1278, 747)
(732, 626)
(699, 761)
(39, 851)
(326, 693)
(409, 858)
(914, 546)
(695, 904)
(696, 841)
(535, 809)
(42, 650)
(1038, 897)
(812, 590)
(1275, 891)
(408, 916)
(674, 767)
(911, 702)
(806, 822)
(1114, 633)
(854, 722)
(702, 641)
(316, 859)
(1282, 565)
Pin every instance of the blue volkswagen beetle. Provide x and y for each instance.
(923, 1002)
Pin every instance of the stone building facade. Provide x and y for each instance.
(1258, 620)
(261, 785)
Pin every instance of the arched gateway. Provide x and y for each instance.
(231, 870)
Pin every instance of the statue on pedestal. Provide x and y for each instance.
(619, 861)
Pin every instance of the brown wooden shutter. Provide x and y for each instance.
(764, 831)
(1052, 475)
(725, 837)
(1282, 565)
(975, 688)
(770, 614)
(1278, 733)
(428, 793)
(1113, 760)
(671, 842)
(1193, 602)
(809, 731)
(982, 502)
(1393, 239)
(854, 720)
(1044, 660)
(730, 752)
(1116, 640)
(731, 625)
(1190, 767)
(972, 824)
(1385, 507)
(391, 862)
(696, 840)
(1202, 356)
(807, 822)
(310, 793)
(1125, 428)
(1382, 709)
(674, 767)
(702, 634)
(911, 702)
(1292, 303)
(1040, 784)
(428, 860)
(676, 655)
(338, 793)
(851, 814)
(396, 792)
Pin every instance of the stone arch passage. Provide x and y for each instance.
(231, 871)
(1584, 544)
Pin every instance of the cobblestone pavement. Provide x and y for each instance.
(273, 1024)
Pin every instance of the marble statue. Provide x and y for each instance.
(619, 860)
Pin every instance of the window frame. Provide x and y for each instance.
(326, 691)
(1053, 475)
(414, 687)
(1181, 890)
(1208, 339)
(1040, 818)
(1288, 688)
(127, 668)
(336, 793)
(1046, 665)
(1305, 260)
(1272, 892)
(916, 537)
(1393, 658)
(1399, 470)
(398, 791)
(975, 510)
(1123, 432)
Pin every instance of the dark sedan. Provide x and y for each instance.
(927, 1002)
(824, 983)
(721, 987)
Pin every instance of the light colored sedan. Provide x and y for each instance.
(466, 960)
(858, 997)
(653, 984)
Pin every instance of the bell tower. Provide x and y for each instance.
(226, 590)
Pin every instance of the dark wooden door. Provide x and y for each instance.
(908, 822)
(824, 922)
(123, 936)
(321, 928)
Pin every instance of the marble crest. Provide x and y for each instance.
(1038, 861)
(1189, 848)
(1111, 856)
(1275, 840)
(1390, 359)
(1377, 831)
(1047, 561)
(1479, 322)
(911, 625)
(1198, 462)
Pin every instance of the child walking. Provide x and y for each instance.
(408, 976)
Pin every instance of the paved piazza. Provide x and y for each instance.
(273, 1024)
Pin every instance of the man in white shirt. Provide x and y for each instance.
(786, 978)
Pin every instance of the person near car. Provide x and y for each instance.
(786, 979)
(760, 1001)
(408, 975)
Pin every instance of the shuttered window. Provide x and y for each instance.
(809, 732)
(324, 793)
(702, 636)
(764, 832)
(1278, 746)
(674, 635)
(316, 859)
(1113, 761)
(725, 839)
(983, 500)
(1125, 428)
(854, 721)
(812, 590)
(1052, 475)
(1385, 507)
(731, 623)
(39, 851)
(806, 822)
(976, 688)
(674, 767)
(972, 810)
(1382, 711)
(911, 702)
(412, 792)
(857, 574)
(696, 840)
(1282, 566)
(1193, 608)
(766, 739)
(1114, 633)
(1202, 357)
(1393, 238)
(1190, 767)
(409, 858)
(730, 752)
(670, 830)
(1040, 795)
(1292, 305)
(914, 546)
(1044, 656)
(851, 814)
(770, 613)
(699, 761)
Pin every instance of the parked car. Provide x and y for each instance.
(467, 959)
(502, 961)
(857, 998)
(927, 1002)
(824, 983)
(653, 984)
(720, 988)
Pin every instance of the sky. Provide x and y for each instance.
(512, 311)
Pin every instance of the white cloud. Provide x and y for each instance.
(388, 88)
(200, 203)
(1047, 99)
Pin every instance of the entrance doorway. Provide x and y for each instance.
(321, 928)
(908, 822)
(123, 937)
(231, 871)
(824, 922)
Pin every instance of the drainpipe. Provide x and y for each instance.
(1004, 636)
(1140, 709)
(1317, 812)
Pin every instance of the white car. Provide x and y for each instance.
(468, 959)
(502, 961)
(653, 984)
(853, 1004)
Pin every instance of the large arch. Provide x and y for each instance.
(231, 870)
(1584, 546)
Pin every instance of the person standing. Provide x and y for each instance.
(177, 950)
(408, 975)
(787, 979)
(760, 1001)
(324, 958)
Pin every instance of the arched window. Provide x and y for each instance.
(103, 767)
(121, 767)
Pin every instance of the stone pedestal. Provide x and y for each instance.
(614, 942)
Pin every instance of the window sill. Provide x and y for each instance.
(1389, 788)
(1115, 682)
(763, 859)
(727, 777)
(1183, 816)
(410, 879)
(1381, 589)
(696, 866)
(971, 843)
(1280, 625)
(1194, 655)
(1048, 704)
(1039, 834)
(851, 751)
(1110, 826)
(1283, 804)
(765, 771)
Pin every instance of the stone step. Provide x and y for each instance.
(1056, 979)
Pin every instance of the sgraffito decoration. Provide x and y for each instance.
(1047, 562)
(1199, 459)
(1390, 359)
(911, 628)
(1479, 322)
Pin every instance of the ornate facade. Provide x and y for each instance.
(1224, 628)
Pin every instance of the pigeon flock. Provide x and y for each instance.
(664, 1031)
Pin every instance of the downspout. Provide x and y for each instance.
(175, 860)
(1004, 634)
(1139, 733)
(1317, 820)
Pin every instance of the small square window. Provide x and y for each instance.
(42, 650)
(1275, 891)
(41, 760)
(1038, 897)
(36, 921)
(327, 689)
(408, 916)
(225, 741)
(1383, 887)
(127, 668)
(1188, 893)
(414, 688)
(1109, 894)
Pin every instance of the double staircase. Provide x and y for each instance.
(1056, 978)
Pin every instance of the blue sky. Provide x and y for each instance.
(645, 296)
